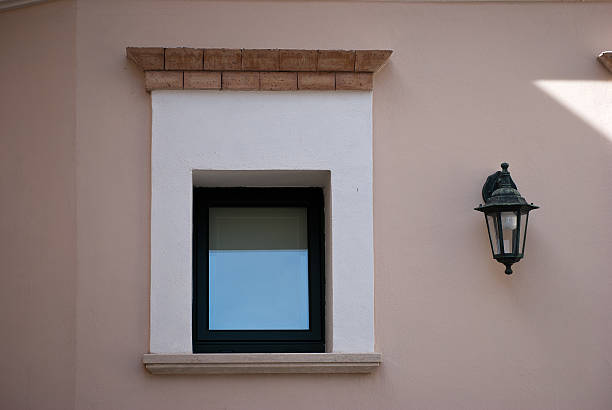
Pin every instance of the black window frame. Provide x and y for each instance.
(259, 341)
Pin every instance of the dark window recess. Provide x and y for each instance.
(258, 270)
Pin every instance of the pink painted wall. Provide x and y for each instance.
(462, 93)
(37, 207)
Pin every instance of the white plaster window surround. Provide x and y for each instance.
(224, 138)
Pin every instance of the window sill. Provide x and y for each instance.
(262, 363)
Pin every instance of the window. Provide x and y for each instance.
(258, 270)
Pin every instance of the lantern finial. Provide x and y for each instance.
(504, 179)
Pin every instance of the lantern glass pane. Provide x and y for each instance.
(493, 232)
(523, 232)
(509, 225)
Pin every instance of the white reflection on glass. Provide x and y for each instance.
(258, 269)
(508, 222)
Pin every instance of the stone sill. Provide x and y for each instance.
(245, 363)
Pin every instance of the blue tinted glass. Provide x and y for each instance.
(258, 269)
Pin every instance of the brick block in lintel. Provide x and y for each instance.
(240, 80)
(163, 80)
(371, 60)
(202, 80)
(223, 59)
(336, 60)
(278, 81)
(298, 60)
(354, 81)
(184, 58)
(147, 58)
(260, 60)
(316, 81)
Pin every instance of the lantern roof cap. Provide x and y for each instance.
(500, 193)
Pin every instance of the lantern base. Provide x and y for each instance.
(508, 261)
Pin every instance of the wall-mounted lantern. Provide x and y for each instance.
(506, 213)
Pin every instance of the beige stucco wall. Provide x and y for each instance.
(468, 86)
(37, 207)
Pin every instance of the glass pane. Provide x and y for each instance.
(509, 223)
(258, 269)
(522, 232)
(493, 232)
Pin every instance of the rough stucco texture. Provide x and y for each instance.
(37, 207)
(216, 130)
(459, 96)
